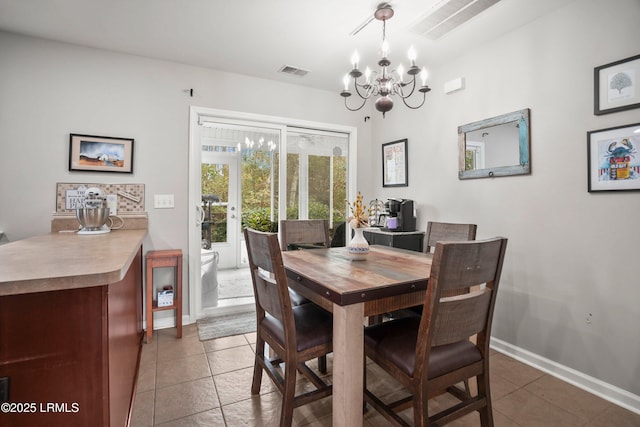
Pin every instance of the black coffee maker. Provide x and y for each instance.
(401, 217)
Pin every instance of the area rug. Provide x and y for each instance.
(226, 325)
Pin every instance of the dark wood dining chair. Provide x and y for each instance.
(296, 334)
(441, 231)
(305, 234)
(432, 354)
(447, 231)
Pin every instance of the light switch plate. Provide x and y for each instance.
(163, 201)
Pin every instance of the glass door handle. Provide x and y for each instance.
(200, 213)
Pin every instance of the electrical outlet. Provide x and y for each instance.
(4, 389)
(163, 201)
(112, 204)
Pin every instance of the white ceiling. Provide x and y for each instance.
(256, 37)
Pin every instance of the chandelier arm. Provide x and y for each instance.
(413, 88)
(364, 100)
(368, 93)
(424, 97)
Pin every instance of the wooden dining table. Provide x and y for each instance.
(387, 279)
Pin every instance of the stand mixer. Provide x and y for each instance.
(94, 215)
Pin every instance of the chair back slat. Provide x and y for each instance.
(267, 295)
(468, 265)
(304, 231)
(461, 317)
(267, 270)
(445, 231)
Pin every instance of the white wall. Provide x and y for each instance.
(570, 253)
(49, 90)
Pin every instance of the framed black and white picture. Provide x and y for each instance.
(617, 86)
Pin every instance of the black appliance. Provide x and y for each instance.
(401, 215)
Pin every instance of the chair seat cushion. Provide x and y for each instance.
(314, 326)
(396, 341)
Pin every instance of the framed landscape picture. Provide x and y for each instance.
(100, 153)
(613, 158)
(395, 164)
(617, 86)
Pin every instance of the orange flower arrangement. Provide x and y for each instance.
(359, 214)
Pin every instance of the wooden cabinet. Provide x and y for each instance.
(411, 240)
(74, 353)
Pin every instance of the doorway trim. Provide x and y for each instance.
(211, 114)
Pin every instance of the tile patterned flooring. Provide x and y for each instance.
(185, 382)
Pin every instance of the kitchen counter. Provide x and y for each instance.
(71, 321)
(58, 261)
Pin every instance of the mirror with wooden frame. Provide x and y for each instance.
(493, 147)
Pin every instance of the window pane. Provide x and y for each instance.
(316, 178)
(215, 194)
(259, 183)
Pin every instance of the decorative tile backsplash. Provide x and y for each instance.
(130, 196)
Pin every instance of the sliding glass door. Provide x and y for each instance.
(249, 174)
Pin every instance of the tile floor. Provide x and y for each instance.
(185, 382)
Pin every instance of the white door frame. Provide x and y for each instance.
(235, 117)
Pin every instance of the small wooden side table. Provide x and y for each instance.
(158, 259)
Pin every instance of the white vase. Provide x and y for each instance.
(358, 246)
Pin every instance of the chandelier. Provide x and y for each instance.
(385, 83)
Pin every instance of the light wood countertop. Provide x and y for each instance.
(58, 261)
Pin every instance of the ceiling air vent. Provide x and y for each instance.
(288, 69)
(449, 14)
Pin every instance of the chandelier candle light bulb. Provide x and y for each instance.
(423, 75)
(412, 56)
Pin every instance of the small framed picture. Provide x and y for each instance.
(100, 153)
(617, 86)
(395, 171)
(613, 158)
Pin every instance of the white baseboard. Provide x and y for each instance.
(593, 385)
(167, 322)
